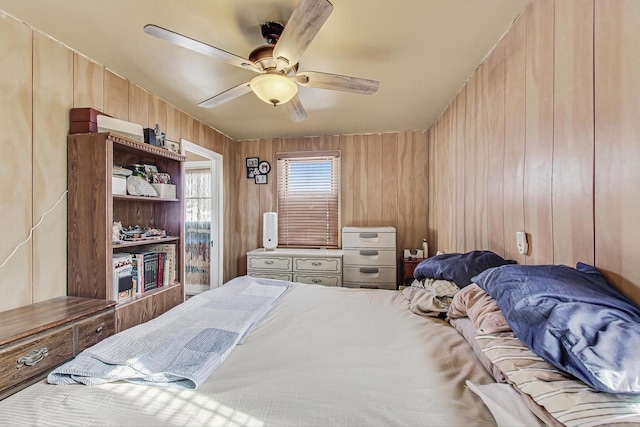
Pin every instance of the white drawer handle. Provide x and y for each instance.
(99, 329)
(369, 253)
(316, 264)
(268, 262)
(33, 357)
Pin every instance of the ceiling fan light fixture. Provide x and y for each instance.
(274, 89)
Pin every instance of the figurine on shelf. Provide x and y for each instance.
(159, 136)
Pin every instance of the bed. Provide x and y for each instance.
(320, 356)
(477, 340)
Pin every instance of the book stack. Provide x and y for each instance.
(170, 260)
(123, 287)
(153, 268)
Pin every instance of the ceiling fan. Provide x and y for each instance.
(277, 62)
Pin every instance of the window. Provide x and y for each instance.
(309, 199)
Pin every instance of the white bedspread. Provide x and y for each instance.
(322, 357)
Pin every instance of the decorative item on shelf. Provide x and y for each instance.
(119, 180)
(137, 186)
(84, 120)
(116, 232)
(138, 170)
(121, 127)
(141, 233)
(154, 136)
(172, 146)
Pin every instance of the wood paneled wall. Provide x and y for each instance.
(40, 80)
(544, 137)
(383, 181)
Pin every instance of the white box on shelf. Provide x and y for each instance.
(165, 191)
(118, 185)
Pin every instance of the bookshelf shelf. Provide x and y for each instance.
(143, 198)
(139, 243)
(92, 210)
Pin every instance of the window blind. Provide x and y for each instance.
(308, 199)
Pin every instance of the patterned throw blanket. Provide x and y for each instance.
(181, 348)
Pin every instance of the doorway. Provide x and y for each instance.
(203, 189)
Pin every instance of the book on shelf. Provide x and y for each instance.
(169, 250)
(123, 287)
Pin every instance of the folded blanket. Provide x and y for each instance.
(181, 348)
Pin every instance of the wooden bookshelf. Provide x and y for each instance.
(92, 209)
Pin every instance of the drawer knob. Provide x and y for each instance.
(268, 262)
(100, 328)
(316, 281)
(316, 264)
(33, 357)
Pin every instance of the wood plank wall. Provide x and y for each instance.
(384, 183)
(40, 80)
(544, 137)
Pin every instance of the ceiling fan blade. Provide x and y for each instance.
(200, 47)
(227, 95)
(305, 22)
(295, 109)
(336, 82)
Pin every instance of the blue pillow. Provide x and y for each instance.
(573, 319)
(458, 268)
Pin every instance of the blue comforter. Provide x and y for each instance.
(573, 319)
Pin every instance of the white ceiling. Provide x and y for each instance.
(421, 51)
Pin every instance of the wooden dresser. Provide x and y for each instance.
(36, 338)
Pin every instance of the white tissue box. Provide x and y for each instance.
(165, 191)
(118, 185)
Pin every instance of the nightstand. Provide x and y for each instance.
(408, 265)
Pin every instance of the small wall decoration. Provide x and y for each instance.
(264, 167)
(257, 170)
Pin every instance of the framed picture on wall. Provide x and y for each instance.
(252, 162)
(252, 172)
(261, 179)
(264, 167)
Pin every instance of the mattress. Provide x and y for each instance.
(323, 356)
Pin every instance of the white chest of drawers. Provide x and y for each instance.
(369, 257)
(312, 266)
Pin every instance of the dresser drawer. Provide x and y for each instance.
(94, 330)
(269, 263)
(270, 275)
(369, 274)
(317, 279)
(333, 265)
(34, 356)
(369, 257)
(368, 239)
